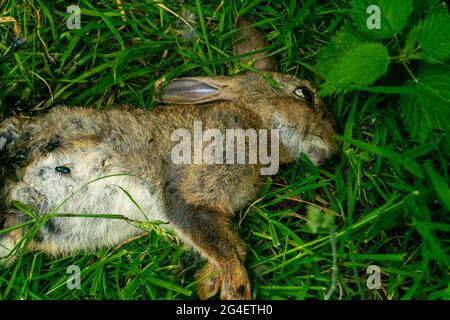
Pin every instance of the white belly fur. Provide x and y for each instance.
(78, 193)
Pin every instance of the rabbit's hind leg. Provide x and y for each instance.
(209, 231)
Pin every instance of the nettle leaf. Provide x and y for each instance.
(429, 108)
(422, 5)
(432, 37)
(361, 66)
(344, 40)
(394, 16)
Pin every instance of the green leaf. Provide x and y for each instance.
(168, 285)
(361, 66)
(396, 158)
(432, 37)
(393, 17)
(429, 108)
(380, 257)
(392, 217)
(344, 40)
(420, 151)
(108, 23)
(439, 183)
(433, 226)
(434, 244)
(422, 5)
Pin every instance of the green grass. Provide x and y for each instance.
(388, 194)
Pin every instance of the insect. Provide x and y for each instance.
(62, 170)
(18, 42)
(20, 156)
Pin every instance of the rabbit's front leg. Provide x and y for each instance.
(209, 231)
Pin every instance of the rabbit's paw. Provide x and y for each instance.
(210, 281)
(236, 285)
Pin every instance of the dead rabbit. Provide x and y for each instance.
(92, 156)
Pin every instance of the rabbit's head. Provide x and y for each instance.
(282, 101)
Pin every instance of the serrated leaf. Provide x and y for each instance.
(432, 37)
(429, 108)
(344, 40)
(394, 16)
(362, 66)
(422, 5)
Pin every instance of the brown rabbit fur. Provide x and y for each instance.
(198, 200)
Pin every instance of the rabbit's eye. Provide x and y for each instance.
(305, 94)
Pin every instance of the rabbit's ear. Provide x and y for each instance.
(247, 40)
(193, 91)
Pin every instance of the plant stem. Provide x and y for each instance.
(410, 72)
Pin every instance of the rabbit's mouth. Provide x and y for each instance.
(316, 155)
(318, 151)
(319, 155)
